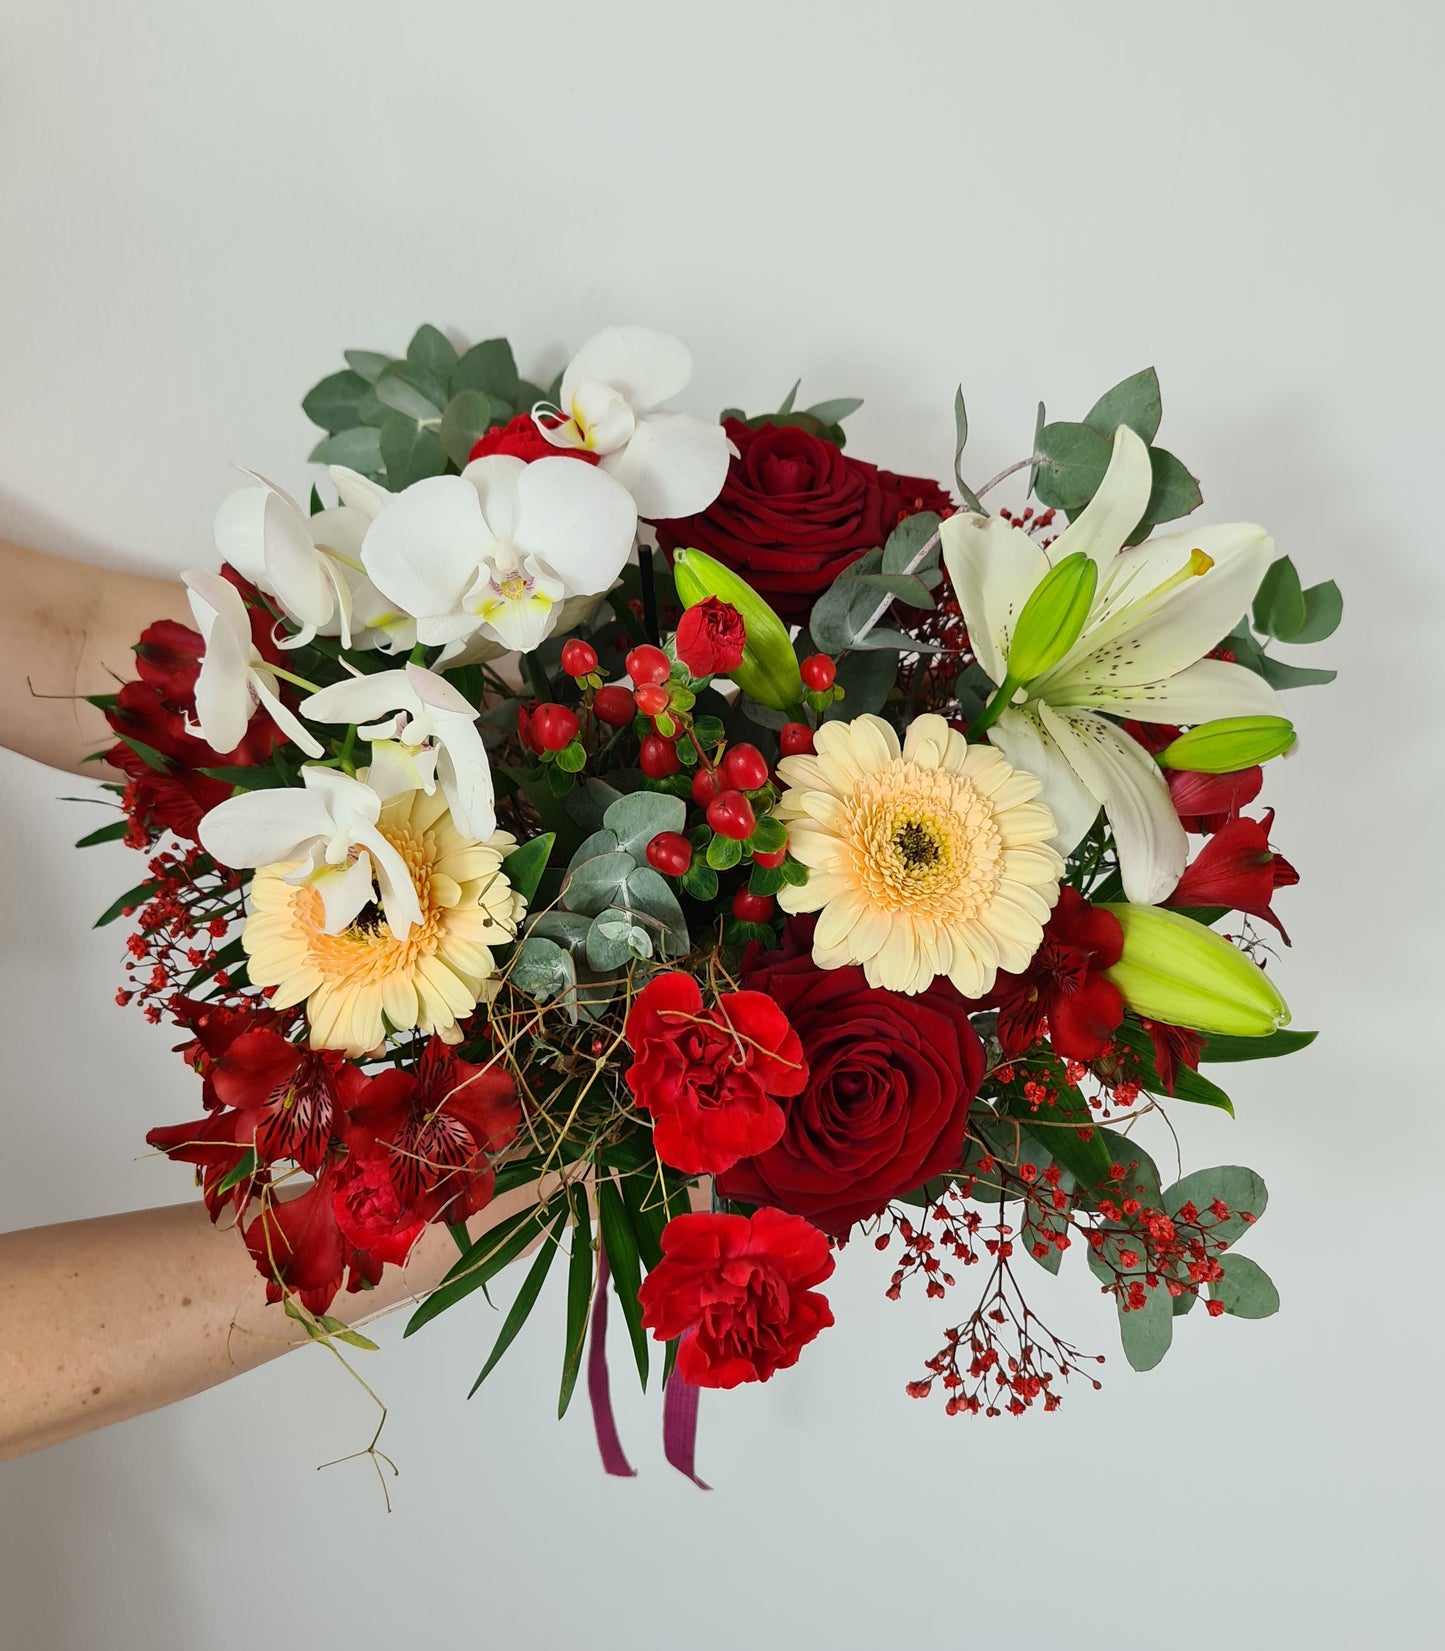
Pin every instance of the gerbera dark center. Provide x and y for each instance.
(916, 845)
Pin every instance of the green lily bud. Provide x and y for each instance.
(1174, 969)
(769, 671)
(1228, 744)
(1053, 617)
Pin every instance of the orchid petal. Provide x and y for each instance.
(496, 478)
(263, 685)
(675, 464)
(358, 698)
(396, 768)
(359, 492)
(647, 367)
(1115, 510)
(240, 533)
(466, 781)
(577, 520)
(994, 568)
(602, 415)
(424, 549)
(262, 828)
(295, 568)
(1151, 842)
(223, 693)
(398, 893)
(345, 892)
(1029, 748)
(435, 691)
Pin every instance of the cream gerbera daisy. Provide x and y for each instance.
(351, 979)
(933, 860)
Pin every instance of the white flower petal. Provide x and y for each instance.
(1114, 511)
(223, 692)
(345, 892)
(994, 569)
(398, 893)
(495, 478)
(359, 698)
(1151, 842)
(646, 367)
(435, 691)
(466, 781)
(602, 415)
(260, 828)
(295, 569)
(240, 533)
(396, 768)
(424, 549)
(359, 492)
(577, 520)
(1026, 745)
(1212, 688)
(675, 465)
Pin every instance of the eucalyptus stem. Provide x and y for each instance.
(913, 564)
(1013, 469)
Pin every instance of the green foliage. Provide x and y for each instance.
(823, 418)
(620, 1242)
(410, 452)
(526, 1298)
(466, 420)
(1240, 1189)
(1246, 1290)
(1283, 1042)
(579, 1295)
(483, 1261)
(526, 865)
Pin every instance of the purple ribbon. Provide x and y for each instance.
(679, 1427)
(599, 1388)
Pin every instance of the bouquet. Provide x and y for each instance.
(747, 848)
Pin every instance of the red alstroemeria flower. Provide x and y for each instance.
(1174, 1046)
(739, 1292)
(214, 1028)
(1236, 869)
(438, 1129)
(300, 1250)
(210, 1144)
(1203, 802)
(709, 1076)
(290, 1100)
(1064, 986)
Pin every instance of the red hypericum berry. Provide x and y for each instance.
(578, 658)
(704, 787)
(651, 699)
(553, 726)
(818, 672)
(795, 739)
(730, 814)
(615, 706)
(670, 853)
(752, 908)
(745, 768)
(648, 664)
(770, 860)
(658, 757)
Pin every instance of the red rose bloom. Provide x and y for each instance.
(1237, 870)
(708, 1076)
(710, 638)
(521, 439)
(890, 1079)
(1064, 985)
(795, 511)
(738, 1290)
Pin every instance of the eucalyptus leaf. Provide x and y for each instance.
(635, 819)
(1147, 1331)
(467, 418)
(1324, 608)
(1246, 1290)
(432, 349)
(1279, 603)
(1175, 492)
(490, 367)
(1279, 675)
(543, 970)
(1134, 401)
(1240, 1189)
(369, 364)
(334, 403)
(358, 449)
(1075, 460)
(835, 411)
(649, 895)
(614, 939)
(410, 453)
(408, 388)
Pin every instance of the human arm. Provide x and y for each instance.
(105, 1319)
(67, 630)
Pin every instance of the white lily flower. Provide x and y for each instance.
(1159, 608)
(422, 732)
(330, 828)
(495, 551)
(234, 677)
(612, 392)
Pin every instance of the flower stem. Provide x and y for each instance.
(994, 709)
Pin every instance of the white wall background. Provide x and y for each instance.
(200, 206)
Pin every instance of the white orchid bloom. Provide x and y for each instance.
(495, 551)
(422, 732)
(671, 463)
(1159, 608)
(234, 678)
(330, 828)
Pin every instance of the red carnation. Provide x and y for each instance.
(885, 1107)
(710, 637)
(708, 1076)
(1237, 870)
(438, 1128)
(795, 511)
(739, 1292)
(371, 1216)
(521, 439)
(1063, 987)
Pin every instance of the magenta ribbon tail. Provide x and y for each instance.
(679, 1428)
(599, 1387)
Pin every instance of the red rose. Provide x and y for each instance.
(795, 511)
(889, 1086)
(738, 1290)
(521, 438)
(708, 1076)
(371, 1216)
(1064, 985)
(710, 638)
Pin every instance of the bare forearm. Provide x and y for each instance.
(102, 1320)
(66, 630)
